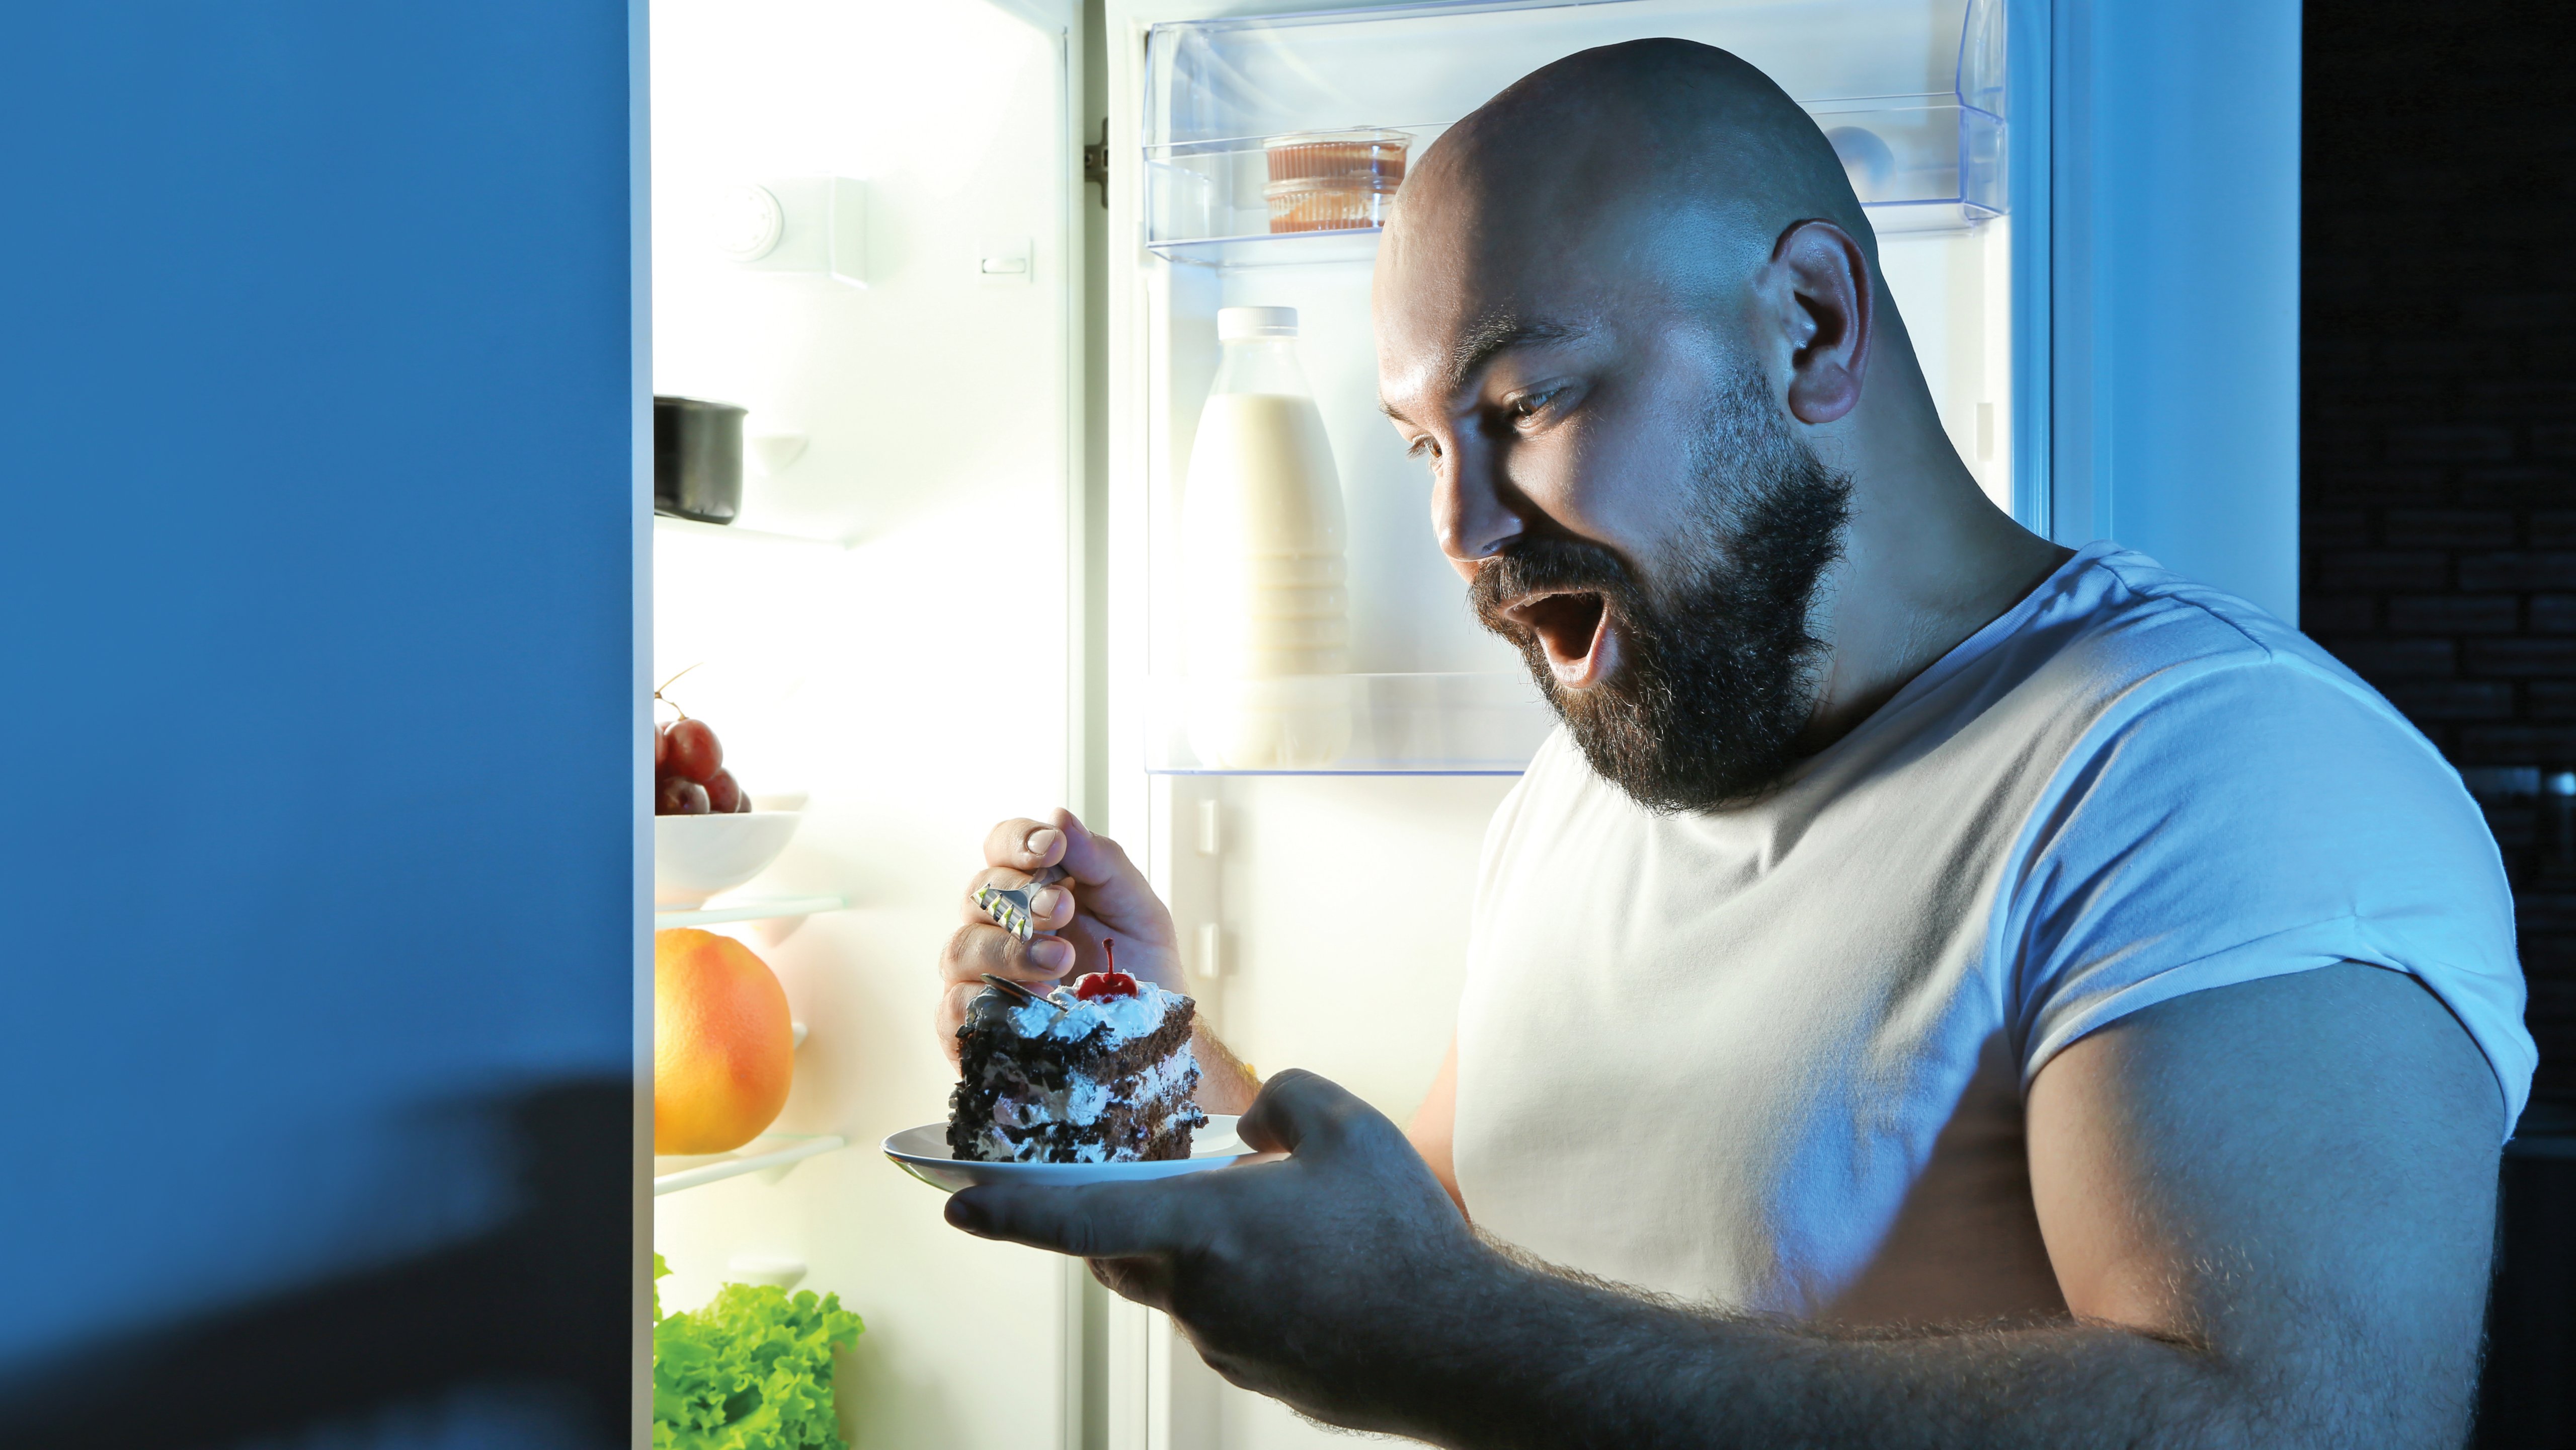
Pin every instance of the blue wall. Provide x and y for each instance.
(315, 676)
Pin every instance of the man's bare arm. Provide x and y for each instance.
(1435, 1126)
(1227, 1083)
(2271, 1205)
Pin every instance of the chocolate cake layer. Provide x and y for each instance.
(1081, 1084)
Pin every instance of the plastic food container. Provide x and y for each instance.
(1333, 180)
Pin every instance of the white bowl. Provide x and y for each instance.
(694, 857)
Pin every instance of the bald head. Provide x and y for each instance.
(1657, 184)
(1662, 161)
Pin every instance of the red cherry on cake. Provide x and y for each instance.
(1105, 984)
(1111, 983)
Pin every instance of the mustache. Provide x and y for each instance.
(1544, 566)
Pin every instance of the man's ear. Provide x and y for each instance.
(1822, 288)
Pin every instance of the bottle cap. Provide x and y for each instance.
(1236, 323)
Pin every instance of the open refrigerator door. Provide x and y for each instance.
(1323, 890)
(865, 236)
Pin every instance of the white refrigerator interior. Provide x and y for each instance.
(884, 628)
(1326, 911)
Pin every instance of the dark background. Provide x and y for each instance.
(2438, 510)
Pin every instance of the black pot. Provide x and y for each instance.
(697, 459)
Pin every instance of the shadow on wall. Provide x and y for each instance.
(526, 1325)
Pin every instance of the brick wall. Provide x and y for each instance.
(2438, 477)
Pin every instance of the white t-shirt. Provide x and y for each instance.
(1772, 1057)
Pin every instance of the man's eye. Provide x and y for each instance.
(1422, 447)
(1530, 405)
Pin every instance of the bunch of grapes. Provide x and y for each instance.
(689, 778)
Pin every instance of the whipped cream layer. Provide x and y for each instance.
(1068, 1018)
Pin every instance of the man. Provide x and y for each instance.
(1938, 989)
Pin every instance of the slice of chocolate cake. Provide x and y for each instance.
(1100, 1074)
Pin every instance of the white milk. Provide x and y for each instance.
(1263, 573)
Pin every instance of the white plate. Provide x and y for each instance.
(923, 1153)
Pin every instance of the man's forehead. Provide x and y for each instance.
(1461, 282)
(1451, 297)
(1448, 359)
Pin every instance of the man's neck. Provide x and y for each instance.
(1927, 562)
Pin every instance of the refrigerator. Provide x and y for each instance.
(961, 262)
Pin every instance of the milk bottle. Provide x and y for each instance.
(1268, 612)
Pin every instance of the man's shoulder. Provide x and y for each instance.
(2133, 664)
(2137, 635)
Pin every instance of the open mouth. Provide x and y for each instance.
(1573, 626)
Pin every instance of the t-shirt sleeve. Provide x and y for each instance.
(2249, 822)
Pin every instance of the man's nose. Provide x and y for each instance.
(1470, 512)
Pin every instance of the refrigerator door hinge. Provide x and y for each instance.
(1095, 163)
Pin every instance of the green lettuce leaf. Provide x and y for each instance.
(750, 1371)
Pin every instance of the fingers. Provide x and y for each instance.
(1298, 1112)
(1112, 888)
(1025, 845)
(1093, 860)
(980, 947)
(1053, 906)
(1103, 1221)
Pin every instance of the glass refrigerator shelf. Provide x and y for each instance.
(778, 1152)
(691, 528)
(1401, 724)
(753, 909)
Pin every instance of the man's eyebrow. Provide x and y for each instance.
(1493, 337)
(1482, 343)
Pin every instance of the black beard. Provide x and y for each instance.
(1717, 675)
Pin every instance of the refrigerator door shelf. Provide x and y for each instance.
(1917, 162)
(1410, 724)
(1912, 95)
(1272, 249)
(1204, 193)
(1912, 154)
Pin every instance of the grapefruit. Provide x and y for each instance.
(724, 1050)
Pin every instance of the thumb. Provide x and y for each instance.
(1116, 891)
(1102, 1221)
(1299, 1112)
